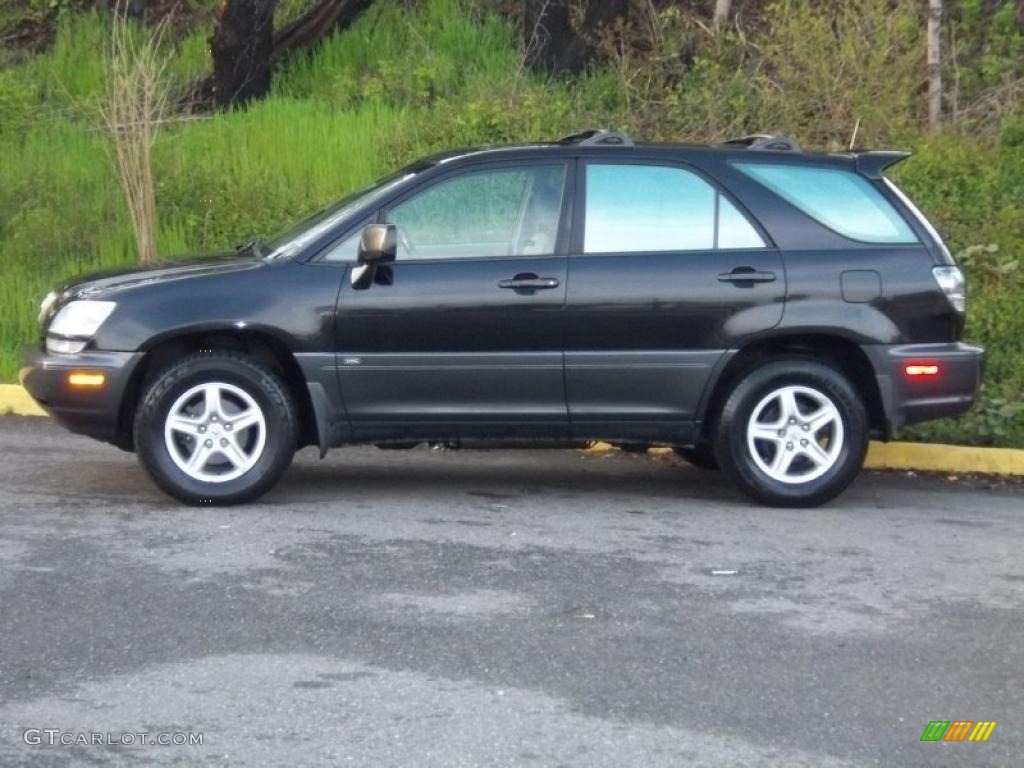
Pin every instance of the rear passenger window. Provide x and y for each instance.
(649, 208)
(841, 200)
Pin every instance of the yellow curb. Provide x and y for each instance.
(952, 459)
(14, 399)
(923, 457)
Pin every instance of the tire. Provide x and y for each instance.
(758, 421)
(175, 413)
(702, 456)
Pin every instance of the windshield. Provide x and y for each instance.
(295, 239)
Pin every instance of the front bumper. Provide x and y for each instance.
(911, 399)
(92, 411)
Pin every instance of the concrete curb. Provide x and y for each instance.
(925, 457)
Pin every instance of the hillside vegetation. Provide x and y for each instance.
(408, 79)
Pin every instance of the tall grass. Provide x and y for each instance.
(241, 173)
(192, 55)
(407, 57)
(72, 70)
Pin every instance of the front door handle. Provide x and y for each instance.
(528, 282)
(746, 275)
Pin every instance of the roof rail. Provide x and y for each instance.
(762, 142)
(598, 137)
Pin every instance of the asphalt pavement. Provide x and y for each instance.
(489, 608)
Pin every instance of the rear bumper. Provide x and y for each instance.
(911, 399)
(92, 411)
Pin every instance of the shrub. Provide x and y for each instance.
(975, 194)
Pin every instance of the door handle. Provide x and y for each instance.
(529, 282)
(746, 275)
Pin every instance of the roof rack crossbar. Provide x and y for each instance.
(598, 137)
(762, 142)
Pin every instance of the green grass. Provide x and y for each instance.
(72, 70)
(240, 173)
(404, 82)
(408, 57)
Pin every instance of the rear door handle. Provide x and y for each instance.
(529, 282)
(746, 275)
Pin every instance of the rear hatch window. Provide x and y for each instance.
(843, 201)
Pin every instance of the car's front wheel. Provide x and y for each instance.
(216, 428)
(793, 432)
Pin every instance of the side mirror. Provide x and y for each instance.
(378, 245)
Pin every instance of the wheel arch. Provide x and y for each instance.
(832, 348)
(266, 347)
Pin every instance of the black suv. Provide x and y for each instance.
(762, 309)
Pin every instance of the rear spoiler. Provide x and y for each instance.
(873, 163)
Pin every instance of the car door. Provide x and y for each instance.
(461, 335)
(666, 273)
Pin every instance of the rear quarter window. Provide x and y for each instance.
(841, 200)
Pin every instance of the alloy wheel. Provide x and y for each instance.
(795, 434)
(215, 432)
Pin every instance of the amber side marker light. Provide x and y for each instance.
(921, 370)
(86, 379)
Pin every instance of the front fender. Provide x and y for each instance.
(290, 302)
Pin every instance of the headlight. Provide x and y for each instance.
(81, 318)
(64, 346)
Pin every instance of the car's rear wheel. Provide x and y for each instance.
(793, 432)
(216, 428)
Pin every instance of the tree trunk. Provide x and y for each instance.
(722, 10)
(242, 46)
(559, 36)
(314, 25)
(245, 39)
(934, 65)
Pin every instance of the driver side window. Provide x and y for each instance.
(501, 212)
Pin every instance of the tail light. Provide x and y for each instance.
(951, 281)
(916, 369)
